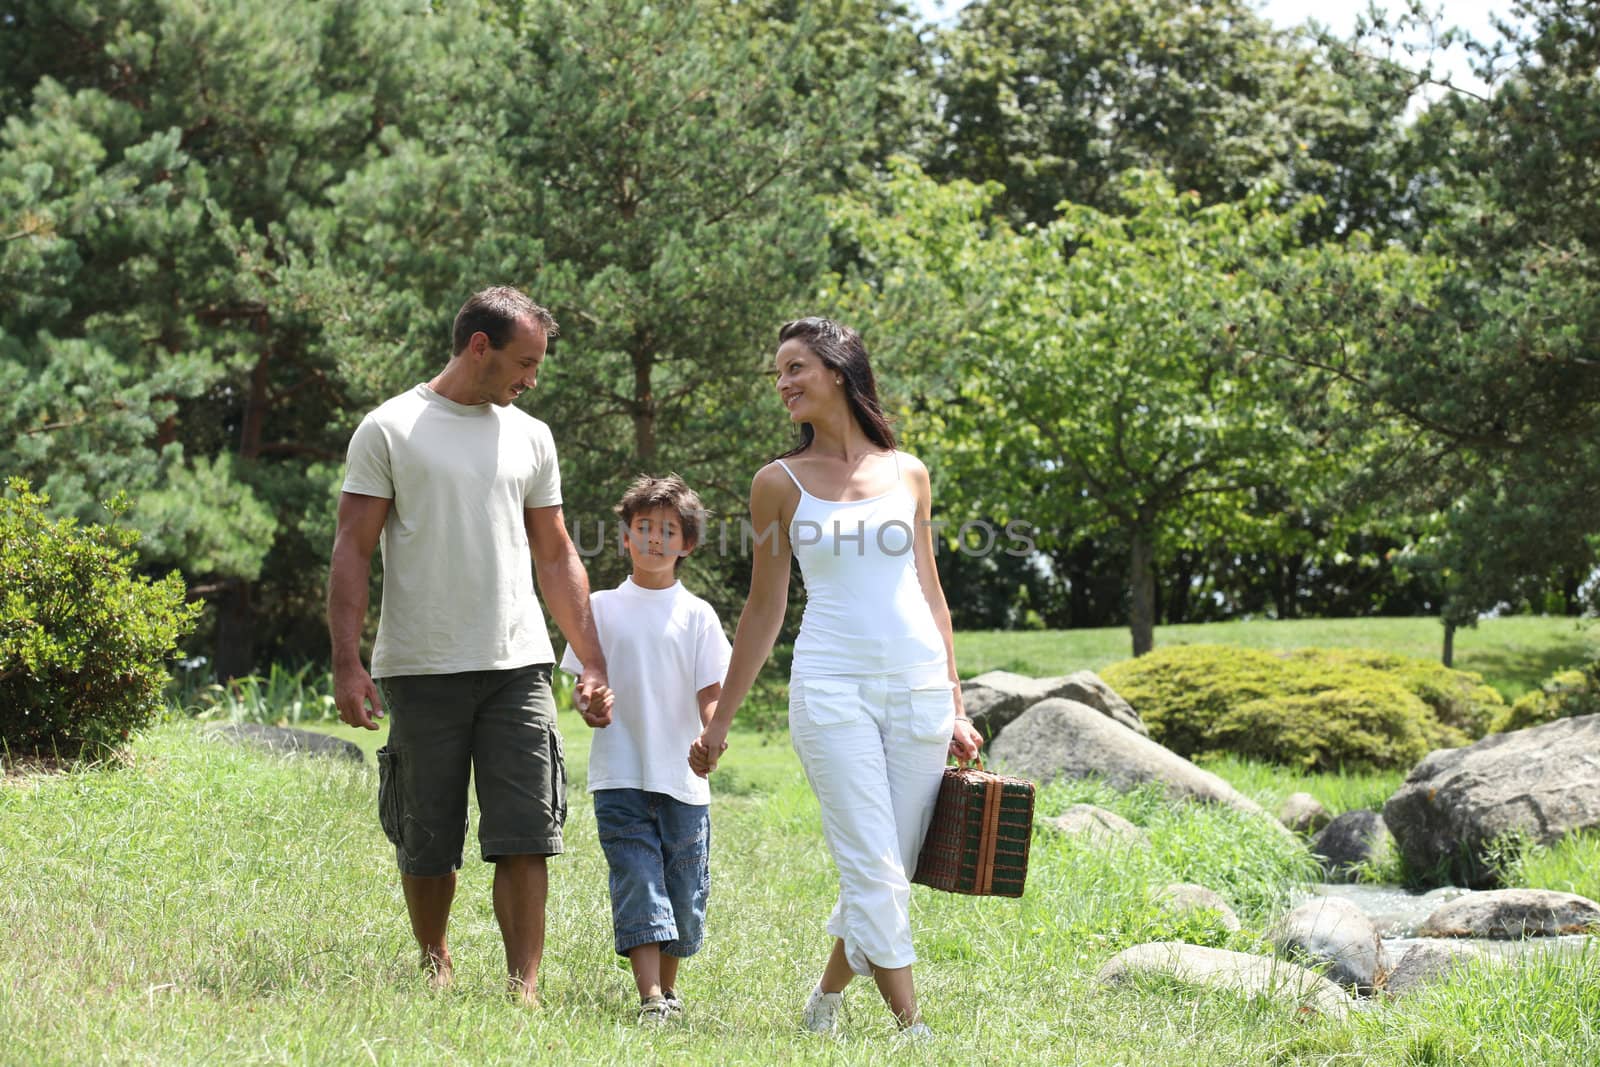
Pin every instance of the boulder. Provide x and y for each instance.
(1183, 898)
(1099, 827)
(1303, 813)
(1540, 783)
(1216, 968)
(1349, 841)
(1333, 931)
(1087, 687)
(994, 699)
(1426, 963)
(1065, 739)
(1511, 914)
(287, 741)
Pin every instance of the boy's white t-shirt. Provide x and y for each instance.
(458, 590)
(662, 646)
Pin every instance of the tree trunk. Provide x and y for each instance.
(236, 632)
(1449, 656)
(236, 624)
(1142, 590)
(644, 408)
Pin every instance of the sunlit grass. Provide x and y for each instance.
(202, 902)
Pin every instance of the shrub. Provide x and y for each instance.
(83, 640)
(1310, 709)
(1562, 695)
(1458, 698)
(1181, 692)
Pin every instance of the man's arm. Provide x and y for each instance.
(564, 587)
(361, 520)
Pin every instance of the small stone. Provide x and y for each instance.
(1099, 826)
(1303, 813)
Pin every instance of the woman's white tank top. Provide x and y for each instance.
(865, 611)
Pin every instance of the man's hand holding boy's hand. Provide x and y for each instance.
(706, 750)
(594, 700)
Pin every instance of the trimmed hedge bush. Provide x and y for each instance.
(1314, 709)
(1459, 698)
(1562, 695)
(83, 640)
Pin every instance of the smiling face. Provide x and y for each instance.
(806, 385)
(507, 372)
(656, 543)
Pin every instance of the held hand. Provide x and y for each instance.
(594, 704)
(706, 750)
(353, 691)
(965, 741)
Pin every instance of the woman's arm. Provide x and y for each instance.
(966, 741)
(762, 616)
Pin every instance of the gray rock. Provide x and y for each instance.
(1100, 827)
(1333, 931)
(995, 699)
(1087, 687)
(1541, 783)
(1216, 968)
(287, 740)
(1427, 963)
(1065, 739)
(1352, 839)
(1510, 914)
(1182, 898)
(1303, 813)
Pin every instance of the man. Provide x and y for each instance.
(458, 486)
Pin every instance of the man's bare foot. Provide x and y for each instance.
(438, 968)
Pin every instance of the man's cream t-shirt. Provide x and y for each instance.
(458, 589)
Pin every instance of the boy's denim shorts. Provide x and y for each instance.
(659, 852)
(496, 728)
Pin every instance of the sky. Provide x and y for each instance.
(1338, 15)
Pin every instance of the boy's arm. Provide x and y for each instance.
(707, 699)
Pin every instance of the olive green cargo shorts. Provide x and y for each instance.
(496, 728)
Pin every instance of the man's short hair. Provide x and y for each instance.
(648, 493)
(495, 312)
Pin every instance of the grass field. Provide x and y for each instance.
(203, 903)
(1513, 654)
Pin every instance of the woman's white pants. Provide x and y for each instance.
(874, 749)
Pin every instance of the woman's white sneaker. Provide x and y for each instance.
(821, 1013)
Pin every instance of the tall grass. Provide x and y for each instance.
(205, 903)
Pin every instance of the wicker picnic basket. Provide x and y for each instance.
(978, 839)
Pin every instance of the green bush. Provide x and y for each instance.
(1311, 709)
(83, 640)
(1459, 698)
(1562, 695)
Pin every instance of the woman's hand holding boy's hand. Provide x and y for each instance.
(706, 750)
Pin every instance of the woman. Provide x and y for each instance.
(874, 704)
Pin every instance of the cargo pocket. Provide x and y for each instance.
(824, 702)
(391, 807)
(933, 713)
(558, 778)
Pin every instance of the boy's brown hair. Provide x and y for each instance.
(648, 493)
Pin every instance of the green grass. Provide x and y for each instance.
(1513, 654)
(205, 903)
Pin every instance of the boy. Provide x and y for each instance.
(666, 655)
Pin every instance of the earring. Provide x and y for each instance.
(838, 381)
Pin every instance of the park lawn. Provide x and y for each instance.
(201, 902)
(1513, 654)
